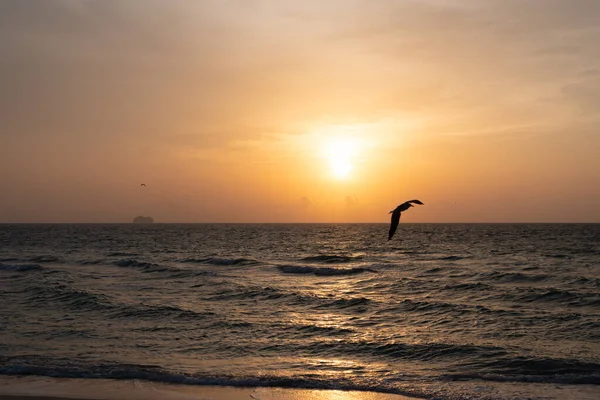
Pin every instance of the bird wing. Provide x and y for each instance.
(415, 201)
(395, 220)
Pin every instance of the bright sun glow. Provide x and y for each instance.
(341, 167)
(342, 148)
(340, 152)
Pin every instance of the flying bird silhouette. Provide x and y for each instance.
(396, 215)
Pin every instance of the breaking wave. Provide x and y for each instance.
(20, 267)
(221, 261)
(331, 258)
(322, 271)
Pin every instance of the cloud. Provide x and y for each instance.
(305, 202)
(487, 62)
(136, 68)
(351, 201)
(584, 94)
(206, 72)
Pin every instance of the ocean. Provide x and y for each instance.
(444, 311)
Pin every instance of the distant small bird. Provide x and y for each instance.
(396, 215)
(143, 184)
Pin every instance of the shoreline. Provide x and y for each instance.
(18, 387)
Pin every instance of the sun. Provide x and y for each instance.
(340, 167)
(341, 149)
(340, 153)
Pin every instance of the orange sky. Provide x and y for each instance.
(299, 111)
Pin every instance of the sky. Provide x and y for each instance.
(299, 111)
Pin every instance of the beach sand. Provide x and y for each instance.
(44, 388)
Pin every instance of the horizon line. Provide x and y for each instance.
(282, 223)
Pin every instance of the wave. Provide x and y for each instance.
(69, 296)
(143, 266)
(122, 254)
(287, 297)
(91, 262)
(410, 252)
(443, 308)
(144, 311)
(513, 277)
(20, 267)
(569, 379)
(552, 295)
(489, 360)
(84, 300)
(316, 329)
(346, 303)
(493, 364)
(322, 271)
(44, 259)
(584, 281)
(532, 369)
(446, 354)
(36, 259)
(427, 306)
(134, 263)
(453, 258)
(221, 261)
(64, 368)
(172, 272)
(464, 287)
(332, 258)
(561, 256)
(259, 292)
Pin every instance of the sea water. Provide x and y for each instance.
(446, 311)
